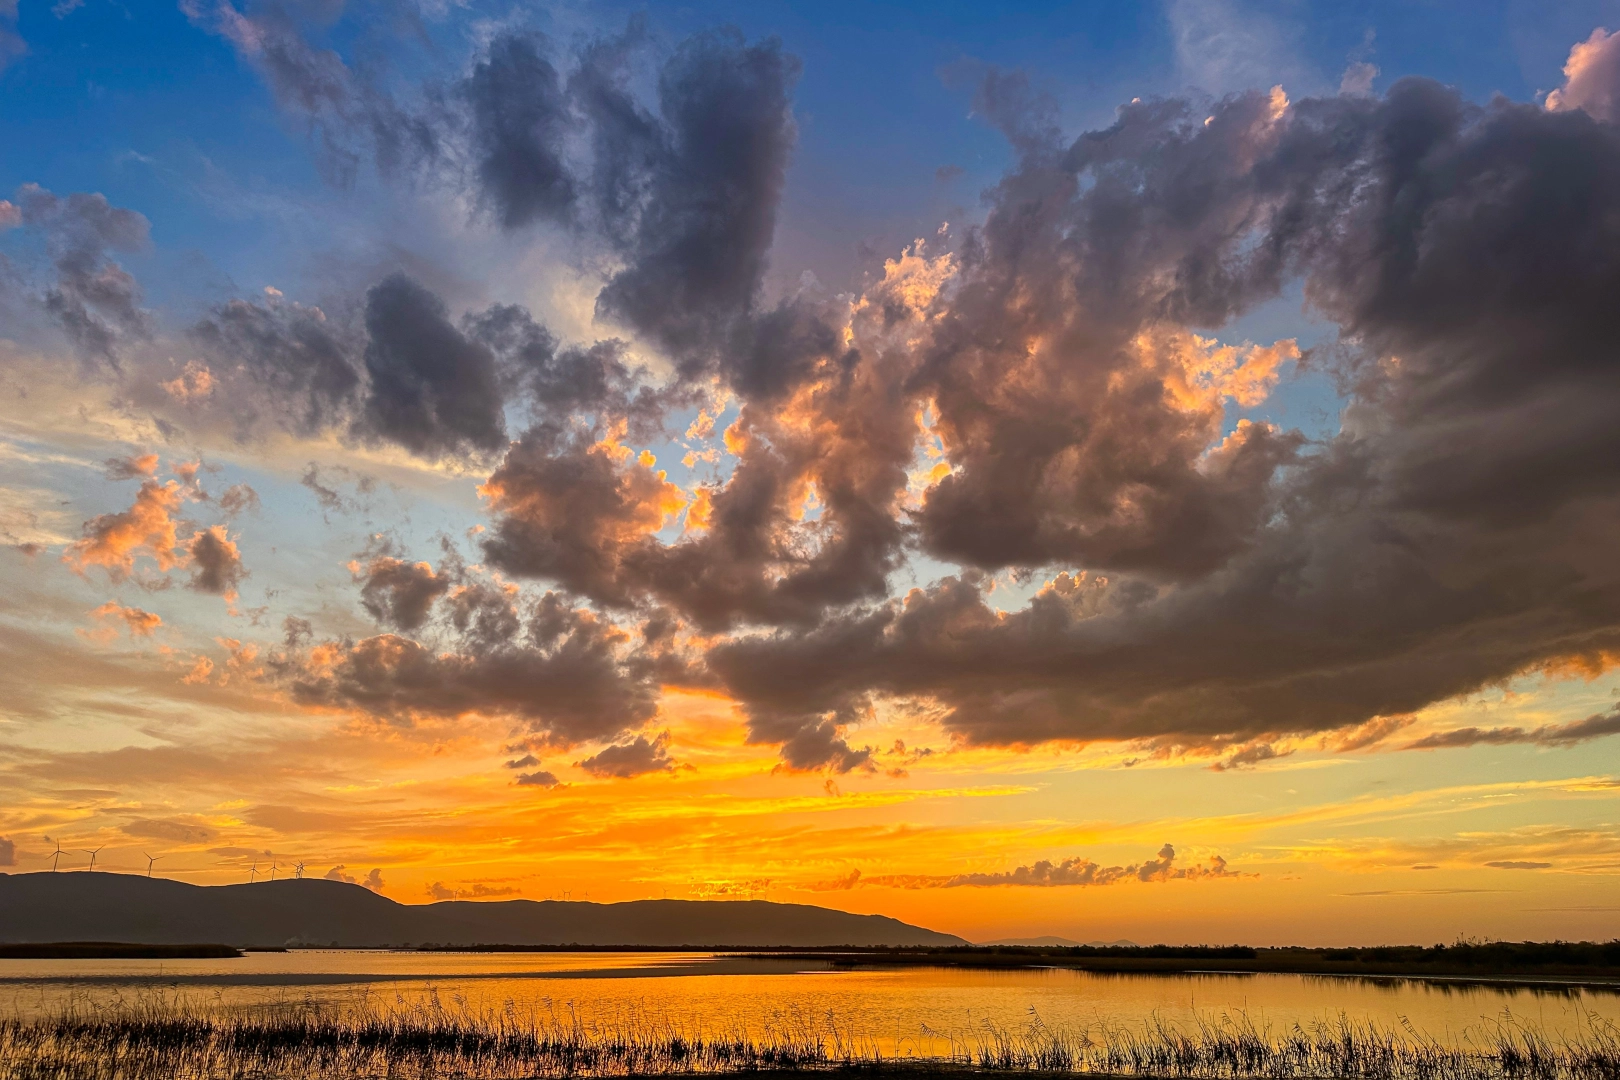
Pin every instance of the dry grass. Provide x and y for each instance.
(173, 1039)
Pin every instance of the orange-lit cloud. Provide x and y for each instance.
(150, 529)
(1591, 78)
(147, 528)
(139, 623)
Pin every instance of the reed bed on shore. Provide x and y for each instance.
(176, 1039)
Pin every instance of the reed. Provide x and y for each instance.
(176, 1039)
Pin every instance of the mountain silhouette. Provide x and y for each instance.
(47, 907)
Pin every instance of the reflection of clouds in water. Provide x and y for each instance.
(889, 1007)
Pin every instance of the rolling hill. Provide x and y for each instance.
(81, 906)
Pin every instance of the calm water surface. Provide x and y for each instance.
(897, 1009)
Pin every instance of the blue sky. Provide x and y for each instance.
(137, 102)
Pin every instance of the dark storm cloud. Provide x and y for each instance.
(94, 300)
(815, 742)
(303, 362)
(398, 593)
(571, 510)
(684, 197)
(627, 142)
(576, 512)
(431, 389)
(594, 380)
(483, 612)
(567, 674)
(520, 118)
(400, 369)
(1593, 727)
(1450, 536)
(1052, 369)
(698, 252)
(626, 760)
(216, 564)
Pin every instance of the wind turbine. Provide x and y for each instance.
(92, 852)
(253, 874)
(273, 869)
(298, 871)
(150, 859)
(56, 856)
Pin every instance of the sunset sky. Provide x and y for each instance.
(1108, 470)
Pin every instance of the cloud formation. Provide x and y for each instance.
(139, 623)
(626, 760)
(93, 300)
(1075, 871)
(564, 672)
(301, 366)
(521, 116)
(1593, 727)
(713, 175)
(397, 593)
(430, 389)
(1591, 78)
(216, 563)
(1240, 587)
(1052, 395)
(149, 529)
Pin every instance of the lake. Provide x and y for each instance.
(915, 1010)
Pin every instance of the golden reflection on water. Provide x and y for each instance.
(903, 1010)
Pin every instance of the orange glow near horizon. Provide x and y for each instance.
(1351, 862)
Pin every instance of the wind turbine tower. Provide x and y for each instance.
(92, 852)
(56, 856)
(150, 859)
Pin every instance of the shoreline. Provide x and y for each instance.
(716, 962)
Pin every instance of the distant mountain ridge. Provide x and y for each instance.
(81, 906)
(1052, 940)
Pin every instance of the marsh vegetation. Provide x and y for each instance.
(160, 1037)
